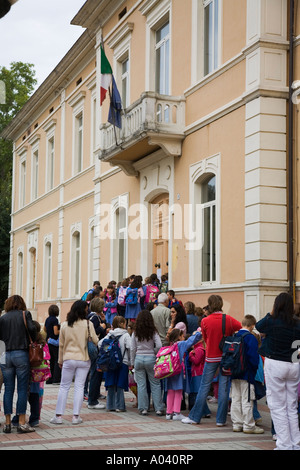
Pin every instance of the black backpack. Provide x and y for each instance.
(233, 362)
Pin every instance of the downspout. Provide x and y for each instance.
(290, 156)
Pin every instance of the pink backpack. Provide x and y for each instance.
(150, 293)
(42, 373)
(122, 295)
(167, 362)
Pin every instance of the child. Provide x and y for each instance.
(175, 384)
(111, 303)
(242, 397)
(197, 359)
(116, 382)
(121, 294)
(135, 289)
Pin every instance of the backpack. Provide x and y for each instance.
(122, 295)
(110, 356)
(233, 362)
(131, 297)
(150, 293)
(167, 362)
(84, 296)
(42, 372)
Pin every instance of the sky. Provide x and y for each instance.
(39, 32)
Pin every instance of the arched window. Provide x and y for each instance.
(120, 249)
(48, 270)
(75, 261)
(208, 201)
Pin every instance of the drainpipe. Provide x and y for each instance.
(290, 157)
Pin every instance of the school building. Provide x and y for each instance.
(200, 182)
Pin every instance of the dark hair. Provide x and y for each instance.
(53, 311)
(180, 314)
(144, 326)
(175, 335)
(215, 303)
(136, 283)
(111, 286)
(15, 302)
(77, 312)
(284, 308)
(171, 292)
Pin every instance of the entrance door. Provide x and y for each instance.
(160, 234)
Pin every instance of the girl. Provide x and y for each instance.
(111, 304)
(175, 384)
(178, 319)
(135, 289)
(145, 343)
(116, 381)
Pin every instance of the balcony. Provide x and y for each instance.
(153, 122)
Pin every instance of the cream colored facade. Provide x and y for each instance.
(204, 133)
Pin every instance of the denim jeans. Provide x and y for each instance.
(143, 368)
(115, 399)
(16, 366)
(199, 407)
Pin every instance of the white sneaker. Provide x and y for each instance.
(169, 416)
(77, 420)
(56, 420)
(178, 417)
(98, 406)
(188, 421)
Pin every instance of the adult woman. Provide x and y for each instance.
(145, 342)
(74, 359)
(51, 328)
(13, 333)
(178, 319)
(282, 334)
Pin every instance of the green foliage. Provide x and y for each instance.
(19, 81)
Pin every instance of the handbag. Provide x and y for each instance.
(92, 348)
(36, 353)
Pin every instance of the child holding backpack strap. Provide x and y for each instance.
(175, 383)
(242, 388)
(111, 303)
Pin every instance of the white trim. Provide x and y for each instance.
(116, 203)
(75, 228)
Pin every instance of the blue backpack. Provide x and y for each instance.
(110, 356)
(131, 296)
(233, 362)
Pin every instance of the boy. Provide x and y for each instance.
(242, 401)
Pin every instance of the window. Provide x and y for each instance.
(48, 270)
(208, 199)
(125, 82)
(75, 270)
(35, 174)
(22, 183)
(20, 267)
(162, 69)
(211, 35)
(121, 236)
(78, 143)
(50, 164)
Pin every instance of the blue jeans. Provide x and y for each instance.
(143, 368)
(199, 407)
(115, 399)
(16, 366)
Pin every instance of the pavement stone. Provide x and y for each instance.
(117, 434)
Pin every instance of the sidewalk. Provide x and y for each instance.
(119, 432)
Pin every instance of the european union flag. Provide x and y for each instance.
(114, 115)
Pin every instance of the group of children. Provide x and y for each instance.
(122, 315)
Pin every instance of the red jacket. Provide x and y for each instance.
(197, 359)
(211, 328)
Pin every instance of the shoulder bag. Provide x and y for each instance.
(36, 353)
(92, 348)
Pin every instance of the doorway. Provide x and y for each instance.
(160, 234)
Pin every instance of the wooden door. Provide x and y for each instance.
(160, 234)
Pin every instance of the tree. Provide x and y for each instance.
(19, 82)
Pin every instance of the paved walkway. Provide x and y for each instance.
(111, 431)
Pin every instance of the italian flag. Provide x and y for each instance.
(106, 76)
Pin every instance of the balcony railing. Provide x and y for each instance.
(157, 119)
